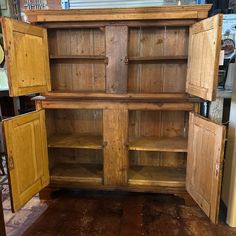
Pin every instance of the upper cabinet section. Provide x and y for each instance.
(26, 49)
(203, 58)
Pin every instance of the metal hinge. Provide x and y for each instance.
(10, 162)
(218, 169)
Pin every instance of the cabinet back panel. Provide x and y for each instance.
(74, 121)
(76, 156)
(162, 159)
(151, 42)
(158, 123)
(77, 42)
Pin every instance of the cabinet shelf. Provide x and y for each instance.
(79, 173)
(157, 59)
(75, 141)
(79, 59)
(157, 176)
(172, 97)
(177, 144)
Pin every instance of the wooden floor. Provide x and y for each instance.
(99, 213)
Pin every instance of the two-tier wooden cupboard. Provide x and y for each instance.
(120, 93)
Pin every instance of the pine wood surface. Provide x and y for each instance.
(77, 59)
(116, 70)
(115, 14)
(27, 156)
(99, 105)
(156, 60)
(130, 96)
(156, 176)
(158, 43)
(115, 134)
(203, 63)
(87, 75)
(117, 74)
(27, 67)
(158, 144)
(204, 164)
(130, 23)
(80, 173)
(75, 141)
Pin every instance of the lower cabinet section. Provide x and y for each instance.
(115, 148)
(158, 151)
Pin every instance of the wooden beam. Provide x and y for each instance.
(101, 24)
(115, 133)
(70, 104)
(117, 69)
(109, 14)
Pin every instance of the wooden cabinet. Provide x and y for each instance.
(120, 95)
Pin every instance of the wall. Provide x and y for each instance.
(229, 178)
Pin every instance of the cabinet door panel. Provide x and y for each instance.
(203, 61)
(204, 163)
(26, 49)
(27, 156)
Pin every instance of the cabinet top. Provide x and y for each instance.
(116, 14)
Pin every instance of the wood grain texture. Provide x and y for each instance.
(115, 134)
(76, 141)
(27, 156)
(79, 173)
(130, 23)
(204, 164)
(116, 70)
(26, 57)
(75, 156)
(158, 97)
(115, 14)
(157, 176)
(161, 125)
(78, 57)
(156, 64)
(91, 105)
(177, 144)
(203, 62)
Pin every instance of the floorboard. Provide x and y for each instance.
(108, 213)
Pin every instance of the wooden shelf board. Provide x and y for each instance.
(177, 144)
(81, 173)
(159, 97)
(158, 59)
(157, 176)
(70, 59)
(75, 141)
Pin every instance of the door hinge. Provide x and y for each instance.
(10, 162)
(218, 169)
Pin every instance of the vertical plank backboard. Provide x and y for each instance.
(27, 156)
(204, 163)
(116, 51)
(115, 133)
(27, 57)
(203, 61)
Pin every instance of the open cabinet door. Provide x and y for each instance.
(27, 156)
(26, 50)
(203, 59)
(204, 163)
